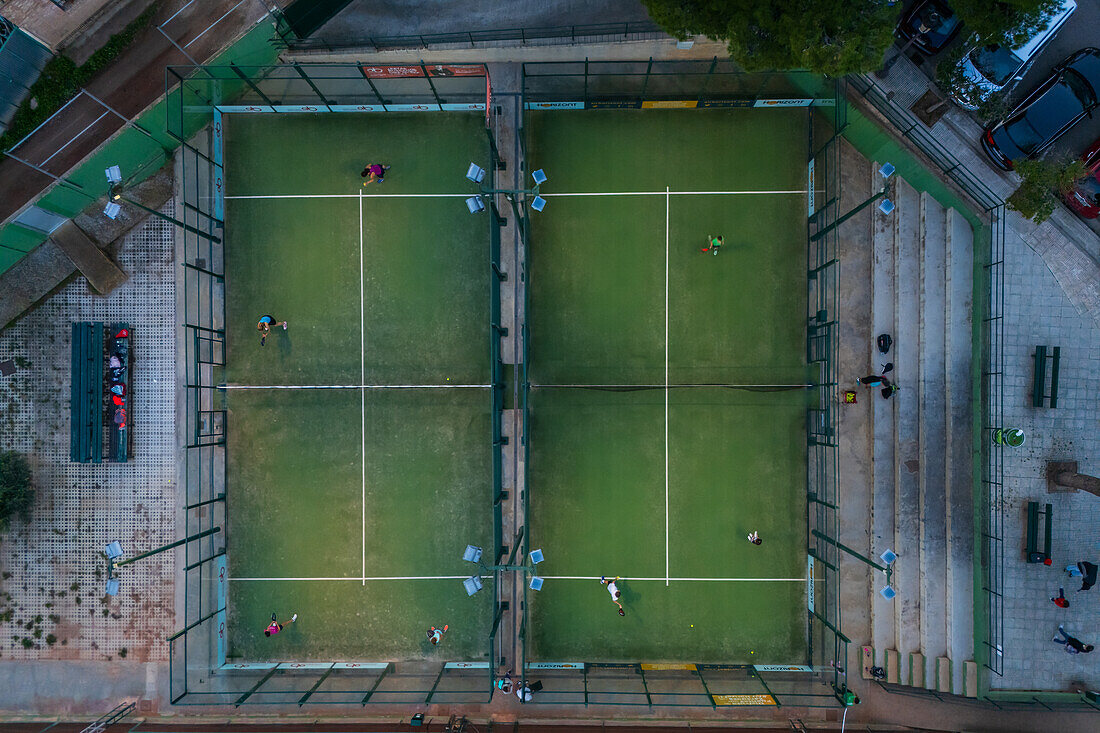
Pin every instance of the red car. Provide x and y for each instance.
(1085, 197)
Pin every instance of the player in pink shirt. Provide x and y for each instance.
(275, 627)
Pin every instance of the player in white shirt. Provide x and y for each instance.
(613, 589)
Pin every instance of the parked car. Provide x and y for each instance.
(1085, 197)
(929, 25)
(989, 69)
(1068, 95)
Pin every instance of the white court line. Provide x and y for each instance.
(667, 192)
(544, 195)
(360, 578)
(545, 577)
(363, 387)
(666, 381)
(352, 195)
(684, 580)
(363, 393)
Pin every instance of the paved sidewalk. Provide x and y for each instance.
(1068, 247)
(130, 85)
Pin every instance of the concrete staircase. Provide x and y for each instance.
(922, 275)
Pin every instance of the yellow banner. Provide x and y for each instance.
(743, 699)
(668, 666)
(670, 104)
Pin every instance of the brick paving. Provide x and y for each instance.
(53, 572)
(1038, 312)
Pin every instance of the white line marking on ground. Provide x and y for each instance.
(544, 195)
(674, 193)
(666, 381)
(685, 580)
(219, 20)
(352, 195)
(74, 137)
(354, 386)
(363, 393)
(363, 579)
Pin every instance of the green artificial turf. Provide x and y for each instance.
(620, 294)
(328, 487)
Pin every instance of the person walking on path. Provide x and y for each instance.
(754, 537)
(874, 380)
(275, 627)
(265, 325)
(613, 589)
(374, 172)
(714, 243)
(504, 684)
(436, 635)
(1073, 644)
(1088, 573)
(1060, 600)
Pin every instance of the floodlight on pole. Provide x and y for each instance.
(115, 194)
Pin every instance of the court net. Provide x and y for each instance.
(644, 387)
(352, 386)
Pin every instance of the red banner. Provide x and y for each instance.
(406, 72)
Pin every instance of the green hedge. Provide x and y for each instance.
(61, 80)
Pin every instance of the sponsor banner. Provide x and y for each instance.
(305, 665)
(446, 70)
(301, 108)
(613, 104)
(412, 107)
(725, 103)
(782, 668)
(219, 624)
(249, 665)
(725, 667)
(810, 188)
(554, 105)
(463, 106)
(671, 104)
(244, 108)
(612, 665)
(360, 665)
(743, 699)
(357, 108)
(219, 213)
(466, 665)
(391, 72)
(659, 665)
(824, 103)
(783, 103)
(556, 665)
(810, 558)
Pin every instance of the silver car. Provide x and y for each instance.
(988, 69)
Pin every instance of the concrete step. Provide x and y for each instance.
(907, 316)
(932, 429)
(959, 470)
(102, 274)
(882, 507)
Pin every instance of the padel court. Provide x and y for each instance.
(359, 443)
(669, 386)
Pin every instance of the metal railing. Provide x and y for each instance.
(561, 34)
(989, 305)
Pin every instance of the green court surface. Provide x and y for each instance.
(352, 506)
(662, 485)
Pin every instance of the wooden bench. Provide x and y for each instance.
(1039, 393)
(86, 394)
(1032, 547)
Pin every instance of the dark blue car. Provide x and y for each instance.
(1069, 95)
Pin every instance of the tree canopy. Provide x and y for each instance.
(834, 37)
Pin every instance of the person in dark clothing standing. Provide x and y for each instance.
(1088, 575)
